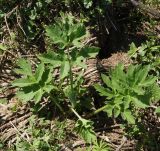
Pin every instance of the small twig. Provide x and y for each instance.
(27, 135)
(78, 143)
(106, 139)
(9, 13)
(124, 140)
(65, 148)
(89, 40)
(44, 103)
(5, 19)
(21, 135)
(28, 56)
(15, 121)
(114, 26)
(17, 17)
(107, 128)
(152, 106)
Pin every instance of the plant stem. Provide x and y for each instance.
(57, 104)
(71, 75)
(70, 72)
(71, 79)
(97, 111)
(74, 111)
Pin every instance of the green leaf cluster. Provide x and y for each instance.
(127, 91)
(100, 146)
(66, 31)
(32, 86)
(85, 129)
(147, 53)
(62, 60)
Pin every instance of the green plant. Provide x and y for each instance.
(72, 53)
(68, 35)
(147, 53)
(100, 146)
(127, 92)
